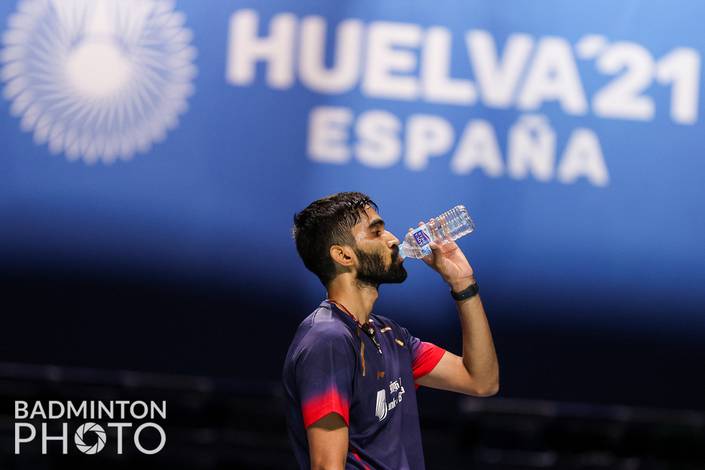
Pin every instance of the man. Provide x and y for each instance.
(350, 376)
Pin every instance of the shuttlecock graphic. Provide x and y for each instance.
(97, 79)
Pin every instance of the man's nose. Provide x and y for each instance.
(392, 240)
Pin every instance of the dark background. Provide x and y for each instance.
(154, 322)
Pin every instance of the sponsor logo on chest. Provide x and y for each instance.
(396, 392)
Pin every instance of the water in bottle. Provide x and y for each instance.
(450, 225)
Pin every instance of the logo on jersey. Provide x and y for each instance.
(397, 391)
(97, 79)
(381, 408)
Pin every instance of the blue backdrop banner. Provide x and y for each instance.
(182, 137)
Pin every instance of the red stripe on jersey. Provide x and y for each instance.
(327, 402)
(426, 359)
(364, 465)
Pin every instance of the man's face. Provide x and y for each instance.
(377, 251)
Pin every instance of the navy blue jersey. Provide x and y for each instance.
(333, 366)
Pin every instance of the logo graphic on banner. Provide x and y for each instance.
(97, 79)
(81, 443)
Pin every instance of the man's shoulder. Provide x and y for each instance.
(324, 322)
(386, 321)
(322, 327)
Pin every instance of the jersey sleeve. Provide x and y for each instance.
(424, 355)
(324, 374)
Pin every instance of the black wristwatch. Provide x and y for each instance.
(466, 293)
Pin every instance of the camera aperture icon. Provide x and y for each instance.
(80, 435)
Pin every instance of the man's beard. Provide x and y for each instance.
(373, 271)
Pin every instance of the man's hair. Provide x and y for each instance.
(326, 222)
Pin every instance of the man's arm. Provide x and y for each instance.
(477, 372)
(328, 443)
(324, 376)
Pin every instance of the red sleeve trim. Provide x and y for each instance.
(328, 402)
(426, 359)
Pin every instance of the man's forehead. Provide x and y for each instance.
(371, 214)
(367, 217)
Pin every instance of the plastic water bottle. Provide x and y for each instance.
(450, 225)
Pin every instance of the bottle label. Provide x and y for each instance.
(423, 238)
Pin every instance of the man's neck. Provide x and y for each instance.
(356, 297)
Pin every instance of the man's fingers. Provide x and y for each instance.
(420, 224)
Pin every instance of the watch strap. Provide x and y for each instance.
(470, 291)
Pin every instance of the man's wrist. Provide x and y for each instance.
(467, 293)
(462, 284)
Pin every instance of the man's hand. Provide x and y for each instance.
(449, 261)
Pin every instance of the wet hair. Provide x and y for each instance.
(326, 222)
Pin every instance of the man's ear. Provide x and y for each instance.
(342, 255)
